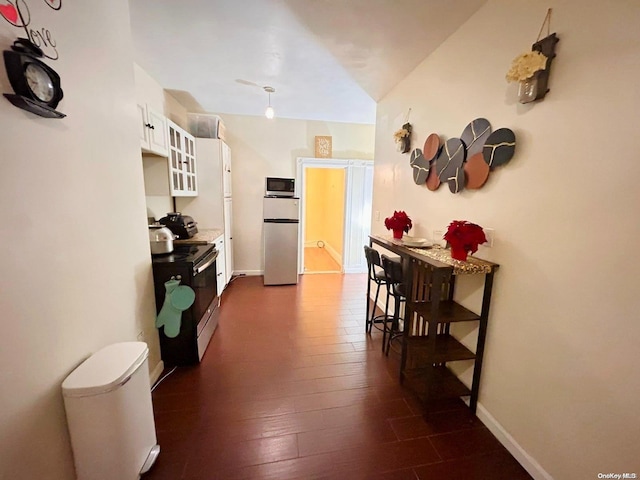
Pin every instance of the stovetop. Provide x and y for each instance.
(184, 253)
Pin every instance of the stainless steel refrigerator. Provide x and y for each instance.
(281, 220)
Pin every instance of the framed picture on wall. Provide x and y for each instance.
(323, 147)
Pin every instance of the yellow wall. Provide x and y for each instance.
(334, 208)
(314, 211)
(324, 207)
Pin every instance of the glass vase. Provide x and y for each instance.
(528, 89)
(397, 233)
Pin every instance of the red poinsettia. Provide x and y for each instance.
(466, 236)
(399, 221)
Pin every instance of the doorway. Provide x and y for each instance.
(324, 204)
(356, 177)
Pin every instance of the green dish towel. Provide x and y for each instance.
(177, 299)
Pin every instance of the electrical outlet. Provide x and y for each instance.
(490, 234)
(377, 215)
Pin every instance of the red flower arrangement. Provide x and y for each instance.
(399, 222)
(464, 237)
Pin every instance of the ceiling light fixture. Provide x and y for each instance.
(269, 112)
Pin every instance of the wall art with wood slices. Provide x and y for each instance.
(465, 161)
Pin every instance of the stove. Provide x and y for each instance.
(184, 253)
(194, 266)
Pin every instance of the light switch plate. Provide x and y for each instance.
(490, 234)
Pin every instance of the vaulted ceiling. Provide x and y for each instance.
(328, 60)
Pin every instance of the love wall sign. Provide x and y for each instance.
(463, 162)
(18, 14)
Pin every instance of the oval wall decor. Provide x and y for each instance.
(464, 162)
(475, 134)
(420, 166)
(499, 147)
(431, 147)
(457, 180)
(476, 171)
(450, 159)
(433, 180)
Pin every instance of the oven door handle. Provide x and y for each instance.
(201, 268)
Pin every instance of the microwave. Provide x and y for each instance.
(279, 187)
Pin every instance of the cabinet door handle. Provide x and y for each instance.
(148, 125)
(152, 127)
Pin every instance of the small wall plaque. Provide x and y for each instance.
(323, 147)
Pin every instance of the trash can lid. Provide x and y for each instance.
(105, 370)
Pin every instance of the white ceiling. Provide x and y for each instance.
(328, 60)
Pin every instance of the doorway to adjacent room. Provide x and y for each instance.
(335, 213)
(324, 205)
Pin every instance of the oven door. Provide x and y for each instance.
(204, 284)
(204, 308)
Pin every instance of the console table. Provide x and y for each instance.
(427, 345)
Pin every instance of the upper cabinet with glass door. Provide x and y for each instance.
(182, 162)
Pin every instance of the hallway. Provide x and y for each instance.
(291, 387)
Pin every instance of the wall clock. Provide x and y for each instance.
(36, 85)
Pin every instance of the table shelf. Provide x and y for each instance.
(444, 384)
(427, 343)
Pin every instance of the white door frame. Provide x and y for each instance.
(353, 210)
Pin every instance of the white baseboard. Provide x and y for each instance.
(527, 461)
(156, 372)
(354, 270)
(333, 253)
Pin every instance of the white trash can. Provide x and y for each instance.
(110, 415)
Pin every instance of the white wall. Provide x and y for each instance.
(76, 269)
(260, 148)
(559, 373)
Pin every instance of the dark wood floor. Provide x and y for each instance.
(291, 387)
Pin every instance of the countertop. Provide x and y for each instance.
(203, 237)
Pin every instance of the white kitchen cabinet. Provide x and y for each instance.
(221, 264)
(225, 153)
(212, 207)
(182, 162)
(228, 237)
(152, 130)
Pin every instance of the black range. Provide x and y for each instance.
(195, 266)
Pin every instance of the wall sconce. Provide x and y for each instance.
(531, 69)
(269, 112)
(547, 47)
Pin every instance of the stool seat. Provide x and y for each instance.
(395, 288)
(399, 290)
(378, 276)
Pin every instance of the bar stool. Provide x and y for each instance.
(377, 275)
(396, 289)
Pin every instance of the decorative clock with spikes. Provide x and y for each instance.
(36, 85)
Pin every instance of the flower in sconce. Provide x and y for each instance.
(464, 238)
(525, 65)
(402, 137)
(399, 222)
